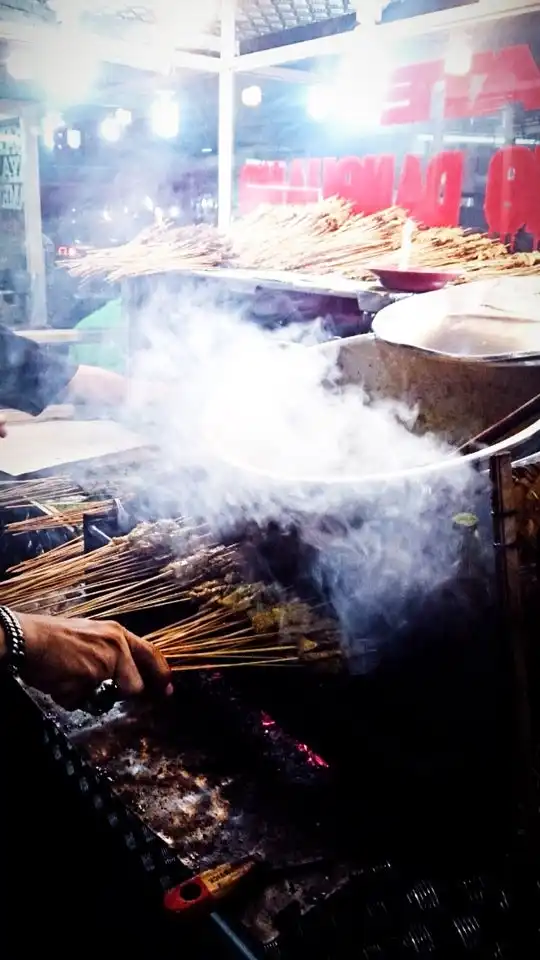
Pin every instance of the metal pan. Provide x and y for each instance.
(413, 281)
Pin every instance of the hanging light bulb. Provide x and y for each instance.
(165, 115)
(252, 96)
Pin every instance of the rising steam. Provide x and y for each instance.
(279, 439)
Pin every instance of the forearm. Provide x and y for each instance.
(94, 385)
(3, 648)
(105, 387)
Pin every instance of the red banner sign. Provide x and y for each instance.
(431, 194)
(496, 78)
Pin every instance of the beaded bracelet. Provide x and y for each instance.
(14, 639)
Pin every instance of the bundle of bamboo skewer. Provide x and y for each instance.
(322, 238)
(64, 515)
(29, 570)
(21, 493)
(250, 625)
(43, 583)
(159, 249)
(173, 582)
(237, 623)
(65, 581)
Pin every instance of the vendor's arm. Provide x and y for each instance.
(68, 659)
(32, 377)
(95, 385)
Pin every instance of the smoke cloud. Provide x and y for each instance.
(262, 419)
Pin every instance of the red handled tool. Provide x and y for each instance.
(203, 890)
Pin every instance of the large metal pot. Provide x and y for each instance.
(455, 399)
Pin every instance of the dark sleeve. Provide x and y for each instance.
(30, 377)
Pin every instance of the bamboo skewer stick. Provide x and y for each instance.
(184, 668)
(63, 517)
(68, 550)
(45, 488)
(231, 635)
(326, 237)
(128, 573)
(236, 623)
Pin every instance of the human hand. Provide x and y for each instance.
(68, 659)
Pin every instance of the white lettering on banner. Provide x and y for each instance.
(11, 196)
(10, 170)
(10, 139)
(11, 186)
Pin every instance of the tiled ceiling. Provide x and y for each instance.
(255, 17)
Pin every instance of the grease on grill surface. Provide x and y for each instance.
(205, 814)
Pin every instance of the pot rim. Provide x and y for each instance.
(352, 480)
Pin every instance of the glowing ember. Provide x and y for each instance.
(312, 758)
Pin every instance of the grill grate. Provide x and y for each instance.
(388, 910)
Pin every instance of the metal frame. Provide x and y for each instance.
(226, 62)
(270, 62)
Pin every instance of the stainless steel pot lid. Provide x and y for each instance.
(490, 320)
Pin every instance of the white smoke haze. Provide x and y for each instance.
(278, 439)
(247, 395)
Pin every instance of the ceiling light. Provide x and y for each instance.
(252, 96)
(165, 115)
(74, 139)
(110, 130)
(124, 117)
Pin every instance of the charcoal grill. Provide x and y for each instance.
(302, 742)
(15, 548)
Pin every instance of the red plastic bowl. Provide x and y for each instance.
(412, 281)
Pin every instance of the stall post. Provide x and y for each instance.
(226, 113)
(35, 254)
